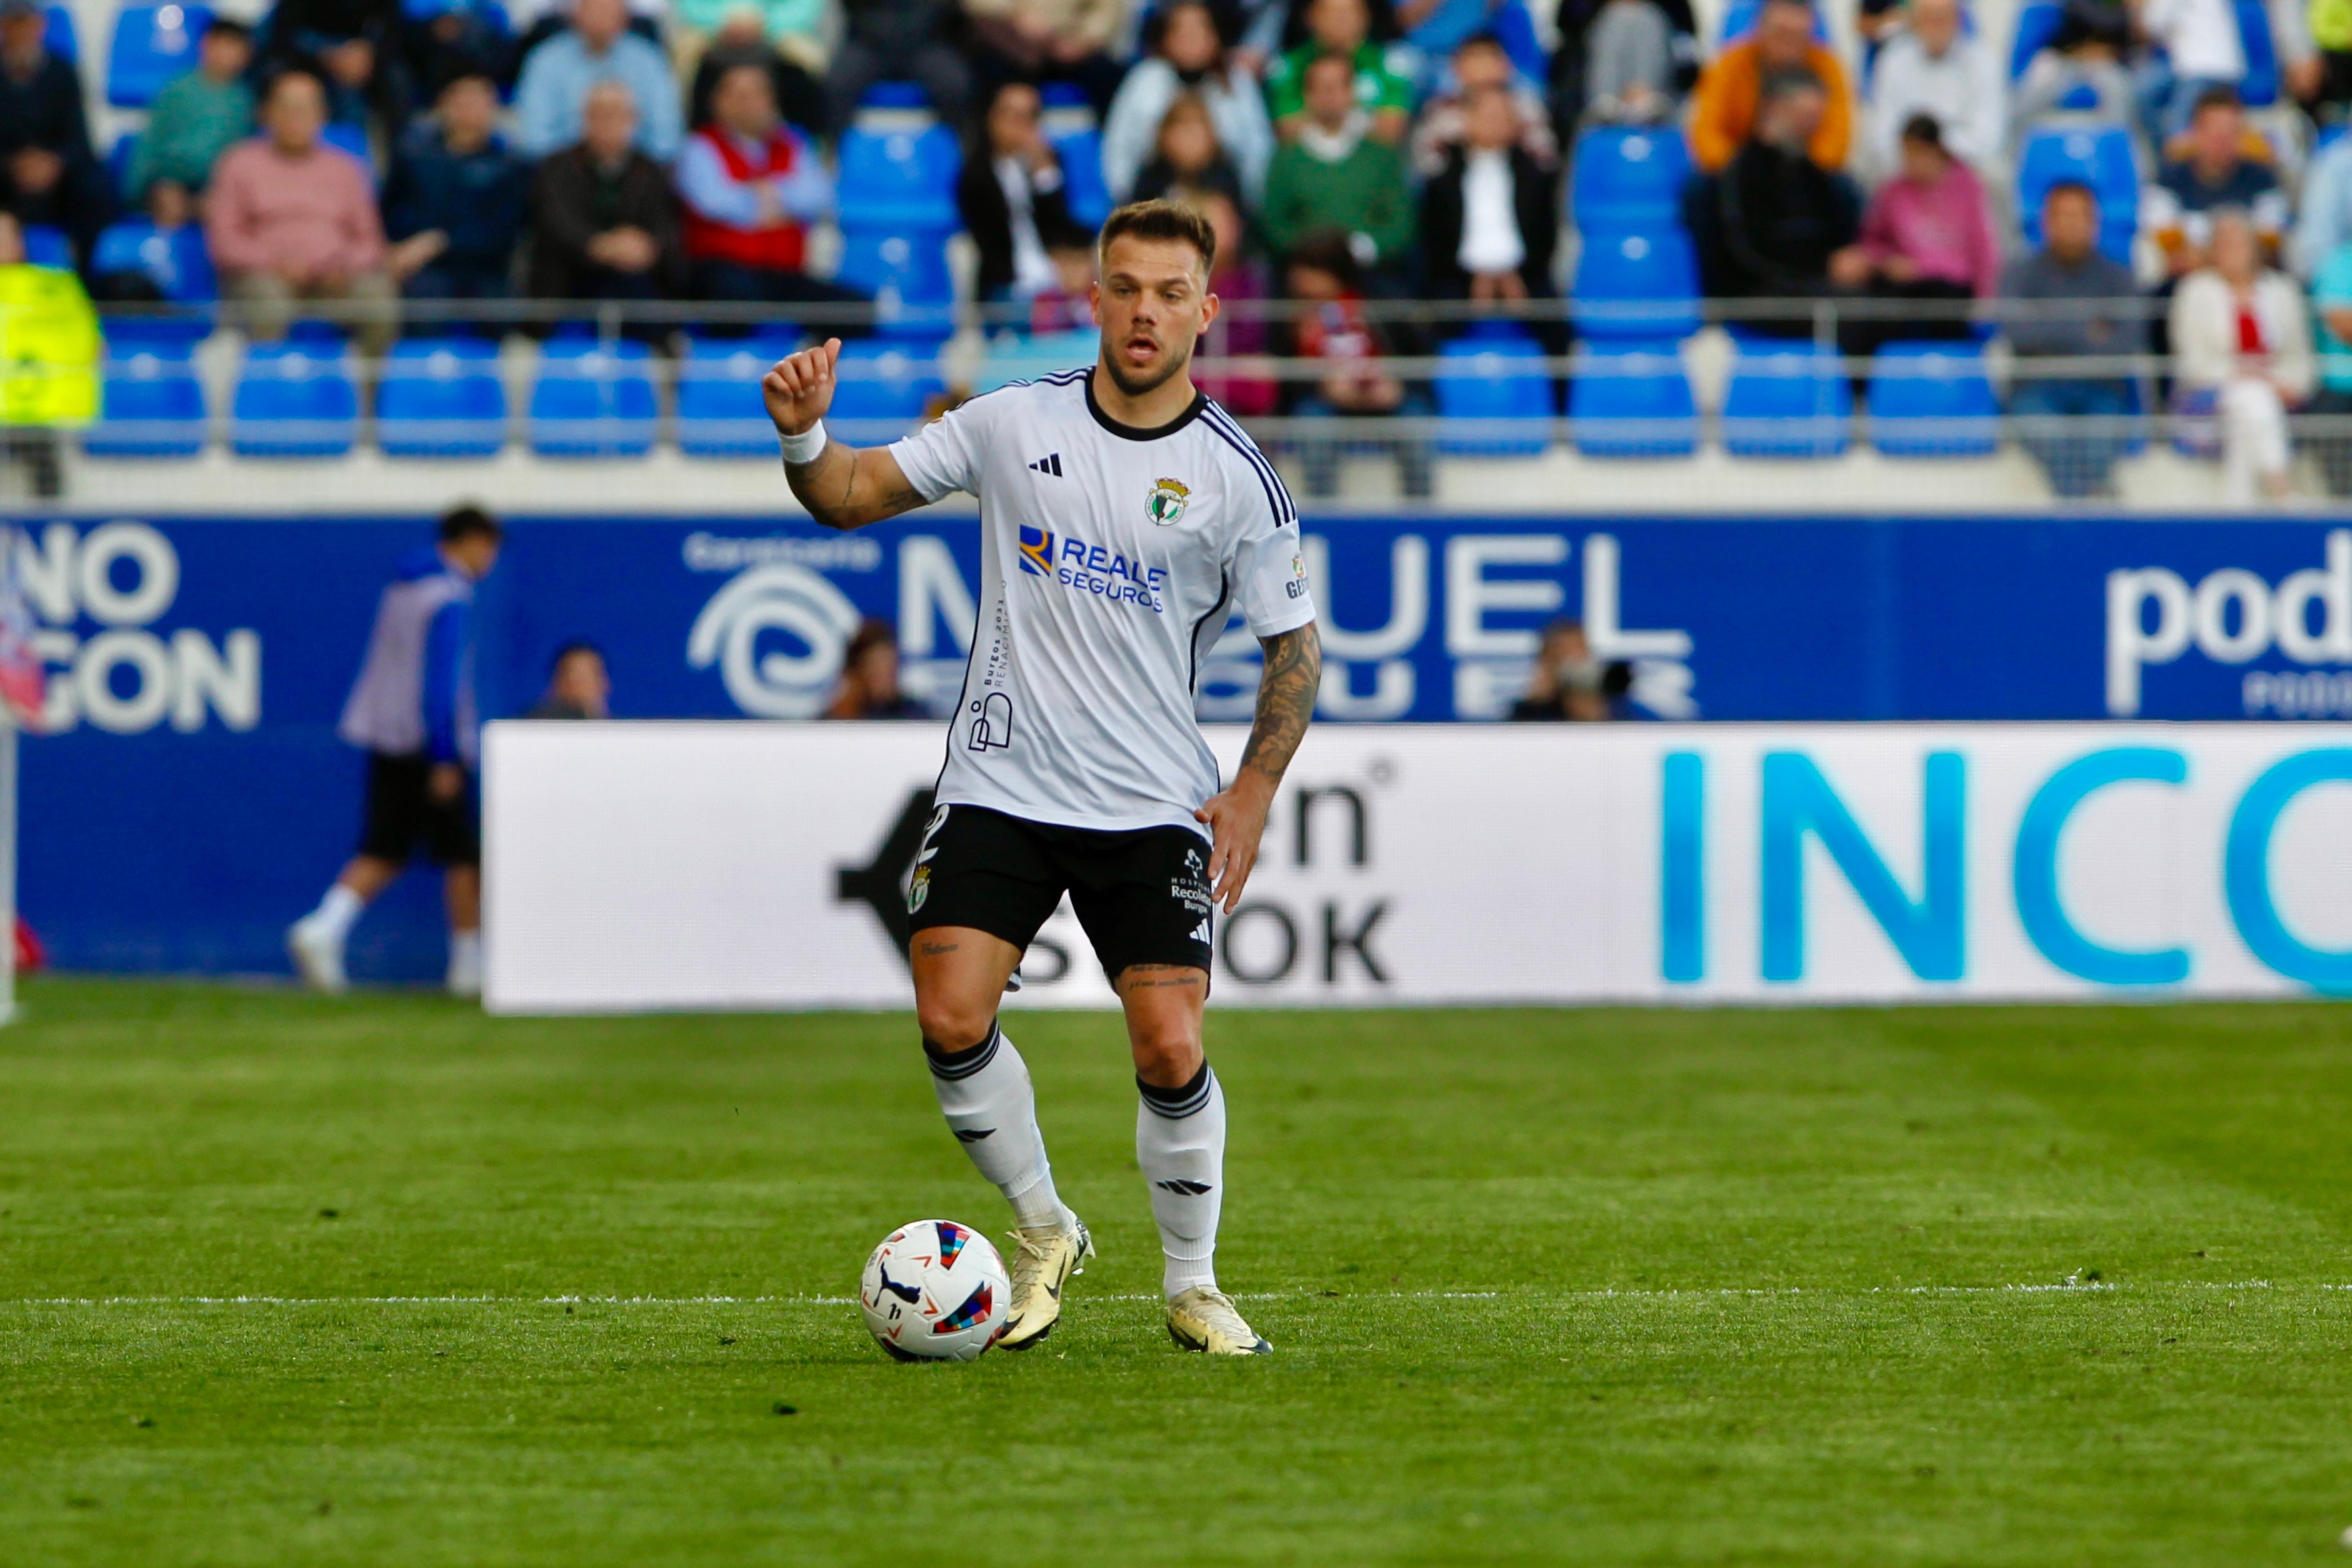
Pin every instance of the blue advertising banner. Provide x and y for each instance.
(190, 798)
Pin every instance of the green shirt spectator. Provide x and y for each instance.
(196, 117)
(1384, 78)
(2331, 296)
(1332, 175)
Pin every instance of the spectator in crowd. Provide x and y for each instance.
(1582, 43)
(291, 219)
(1188, 57)
(1933, 66)
(1336, 333)
(2331, 299)
(2241, 357)
(1490, 221)
(2324, 217)
(2219, 169)
(413, 710)
(895, 39)
(197, 116)
(1569, 683)
(1011, 195)
(51, 176)
(1331, 173)
(1629, 65)
(1186, 160)
(597, 47)
(1239, 330)
(353, 47)
(1050, 40)
(1767, 226)
(1478, 64)
(1731, 90)
(1382, 78)
(449, 38)
(2070, 301)
(455, 204)
(1434, 29)
(578, 686)
(1928, 235)
(2081, 70)
(604, 220)
(750, 185)
(869, 677)
(777, 36)
(2198, 48)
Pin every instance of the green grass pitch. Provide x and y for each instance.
(291, 1282)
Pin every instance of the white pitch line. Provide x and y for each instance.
(2069, 1288)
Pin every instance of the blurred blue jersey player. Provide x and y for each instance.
(413, 711)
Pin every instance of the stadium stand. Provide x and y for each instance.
(441, 397)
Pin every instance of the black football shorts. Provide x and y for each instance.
(1142, 894)
(401, 812)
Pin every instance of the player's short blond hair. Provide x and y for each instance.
(1161, 220)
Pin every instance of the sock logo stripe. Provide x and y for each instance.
(1185, 1189)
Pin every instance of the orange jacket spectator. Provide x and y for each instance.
(1724, 108)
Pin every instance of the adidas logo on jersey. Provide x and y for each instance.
(1051, 464)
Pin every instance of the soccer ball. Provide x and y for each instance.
(935, 1291)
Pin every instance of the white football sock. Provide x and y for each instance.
(1180, 1141)
(336, 913)
(986, 1096)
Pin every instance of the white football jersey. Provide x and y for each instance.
(1110, 560)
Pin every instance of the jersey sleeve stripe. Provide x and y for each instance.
(1277, 495)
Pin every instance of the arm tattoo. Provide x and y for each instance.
(1286, 699)
(838, 505)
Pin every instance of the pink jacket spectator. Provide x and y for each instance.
(314, 215)
(1944, 229)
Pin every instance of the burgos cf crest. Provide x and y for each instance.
(1166, 503)
(1038, 550)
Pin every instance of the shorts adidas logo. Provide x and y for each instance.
(1051, 464)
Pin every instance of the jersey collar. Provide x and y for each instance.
(1129, 431)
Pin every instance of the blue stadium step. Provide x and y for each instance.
(1496, 387)
(720, 412)
(442, 397)
(295, 399)
(1787, 400)
(1632, 400)
(151, 404)
(1932, 400)
(592, 399)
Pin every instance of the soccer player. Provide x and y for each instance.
(1123, 516)
(413, 711)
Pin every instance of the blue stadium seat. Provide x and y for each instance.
(1637, 286)
(151, 404)
(441, 397)
(2097, 156)
(1787, 400)
(906, 273)
(352, 139)
(46, 246)
(721, 413)
(1740, 20)
(1632, 400)
(177, 262)
(592, 399)
(152, 44)
(118, 164)
(295, 399)
(1068, 122)
(900, 180)
(1490, 380)
(2037, 22)
(60, 39)
(1932, 400)
(895, 95)
(1628, 179)
(884, 389)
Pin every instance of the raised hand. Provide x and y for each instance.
(799, 387)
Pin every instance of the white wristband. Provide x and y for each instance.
(805, 448)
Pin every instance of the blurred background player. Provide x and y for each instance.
(413, 711)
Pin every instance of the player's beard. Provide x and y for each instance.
(1143, 385)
